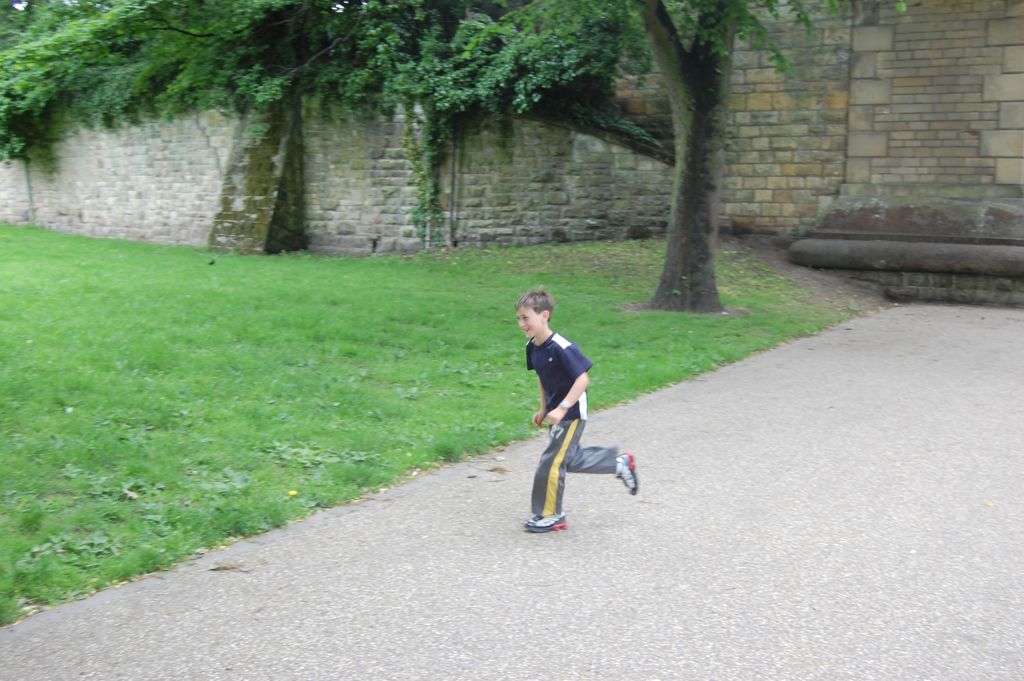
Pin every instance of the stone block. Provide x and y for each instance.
(834, 117)
(1004, 88)
(1010, 171)
(398, 245)
(625, 162)
(1002, 143)
(759, 102)
(863, 65)
(929, 279)
(763, 118)
(870, 91)
(867, 144)
(784, 143)
(837, 100)
(1011, 115)
(872, 38)
(763, 76)
(784, 101)
(861, 118)
(1013, 58)
(1006, 31)
(802, 170)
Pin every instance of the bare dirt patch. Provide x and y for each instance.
(831, 288)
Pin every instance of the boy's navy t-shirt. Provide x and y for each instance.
(558, 364)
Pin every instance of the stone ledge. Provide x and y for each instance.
(960, 289)
(929, 243)
(907, 257)
(922, 217)
(923, 272)
(936, 191)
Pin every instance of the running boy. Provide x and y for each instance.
(562, 372)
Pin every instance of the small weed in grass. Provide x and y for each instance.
(152, 404)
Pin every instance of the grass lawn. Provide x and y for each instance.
(155, 400)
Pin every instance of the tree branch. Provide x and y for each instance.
(165, 25)
(334, 43)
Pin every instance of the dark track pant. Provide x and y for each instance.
(564, 454)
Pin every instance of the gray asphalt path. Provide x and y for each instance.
(849, 506)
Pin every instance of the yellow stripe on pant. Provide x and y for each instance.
(556, 466)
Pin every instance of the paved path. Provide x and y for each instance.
(849, 506)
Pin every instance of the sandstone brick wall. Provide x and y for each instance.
(923, 104)
(786, 154)
(14, 193)
(516, 181)
(159, 181)
(642, 99)
(360, 189)
(935, 150)
(937, 95)
(521, 181)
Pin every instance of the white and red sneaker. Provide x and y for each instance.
(547, 523)
(625, 470)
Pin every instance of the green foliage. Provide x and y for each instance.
(542, 57)
(111, 62)
(143, 423)
(441, 60)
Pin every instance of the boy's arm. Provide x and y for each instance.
(578, 388)
(538, 418)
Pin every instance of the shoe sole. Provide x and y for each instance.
(553, 528)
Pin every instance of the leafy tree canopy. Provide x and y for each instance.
(104, 62)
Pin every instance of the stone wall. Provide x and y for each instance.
(159, 181)
(360, 187)
(262, 201)
(935, 150)
(15, 203)
(643, 100)
(887, 122)
(786, 155)
(225, 181)
(926, 105)
(937, 95)
(516, 181)
(520, 181)
(932, 204)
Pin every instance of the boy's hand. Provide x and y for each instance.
(556, 415)
(538, 418)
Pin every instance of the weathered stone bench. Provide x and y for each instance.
(963, 249)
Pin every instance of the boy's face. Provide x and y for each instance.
(534, 324)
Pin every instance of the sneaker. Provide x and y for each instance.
(625, 469)
(548, 523)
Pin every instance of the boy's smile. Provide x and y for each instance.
(534, 324)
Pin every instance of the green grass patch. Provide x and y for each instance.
(155, 401)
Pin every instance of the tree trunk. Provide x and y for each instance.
(697, 84)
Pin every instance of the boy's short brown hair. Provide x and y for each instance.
(537, 299)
